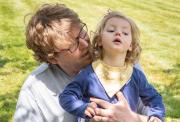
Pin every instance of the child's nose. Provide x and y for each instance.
(118, 34)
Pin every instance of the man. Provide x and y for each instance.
(58, 38)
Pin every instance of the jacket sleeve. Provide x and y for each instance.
(71, 98)
(27, 109)
(151, 98)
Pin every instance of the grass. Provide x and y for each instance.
(160, 29)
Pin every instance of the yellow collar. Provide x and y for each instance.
(112, 78)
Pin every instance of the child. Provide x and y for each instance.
(117, 47)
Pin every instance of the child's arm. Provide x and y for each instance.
(151, 98)
(71, 98)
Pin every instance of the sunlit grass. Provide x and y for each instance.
(158, 21)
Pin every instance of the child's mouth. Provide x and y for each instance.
(117, 40)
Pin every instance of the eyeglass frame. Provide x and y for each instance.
(74, 46)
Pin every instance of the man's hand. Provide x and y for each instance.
(90, 110)
(119, 112)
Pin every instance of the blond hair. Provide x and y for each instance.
(131, 56)
(48, 30)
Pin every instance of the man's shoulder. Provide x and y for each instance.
(40, 69)
(32, 78)
(47, 76)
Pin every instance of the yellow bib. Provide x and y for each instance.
(112, 78)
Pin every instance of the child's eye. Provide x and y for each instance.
(125, 33)
(111, 31)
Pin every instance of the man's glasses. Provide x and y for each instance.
(81, 35)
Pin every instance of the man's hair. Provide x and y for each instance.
(131, 56)
(49, 29)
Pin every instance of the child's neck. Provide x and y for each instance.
(115, 60)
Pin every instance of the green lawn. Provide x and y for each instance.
(159, 22)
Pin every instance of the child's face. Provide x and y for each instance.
(116, 36)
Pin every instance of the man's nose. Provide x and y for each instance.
(83, 43)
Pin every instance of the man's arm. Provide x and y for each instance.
(27, 109)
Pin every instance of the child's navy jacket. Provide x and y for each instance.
(76, 96)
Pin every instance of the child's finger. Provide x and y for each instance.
(154, 119)
(87, 113)
(151, 119)
(90, 110)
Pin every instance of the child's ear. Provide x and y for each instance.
(130, 48)
(99, 43)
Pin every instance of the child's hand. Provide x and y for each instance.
(154, 119)
(90, 109)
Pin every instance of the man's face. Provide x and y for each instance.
(78, 55)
